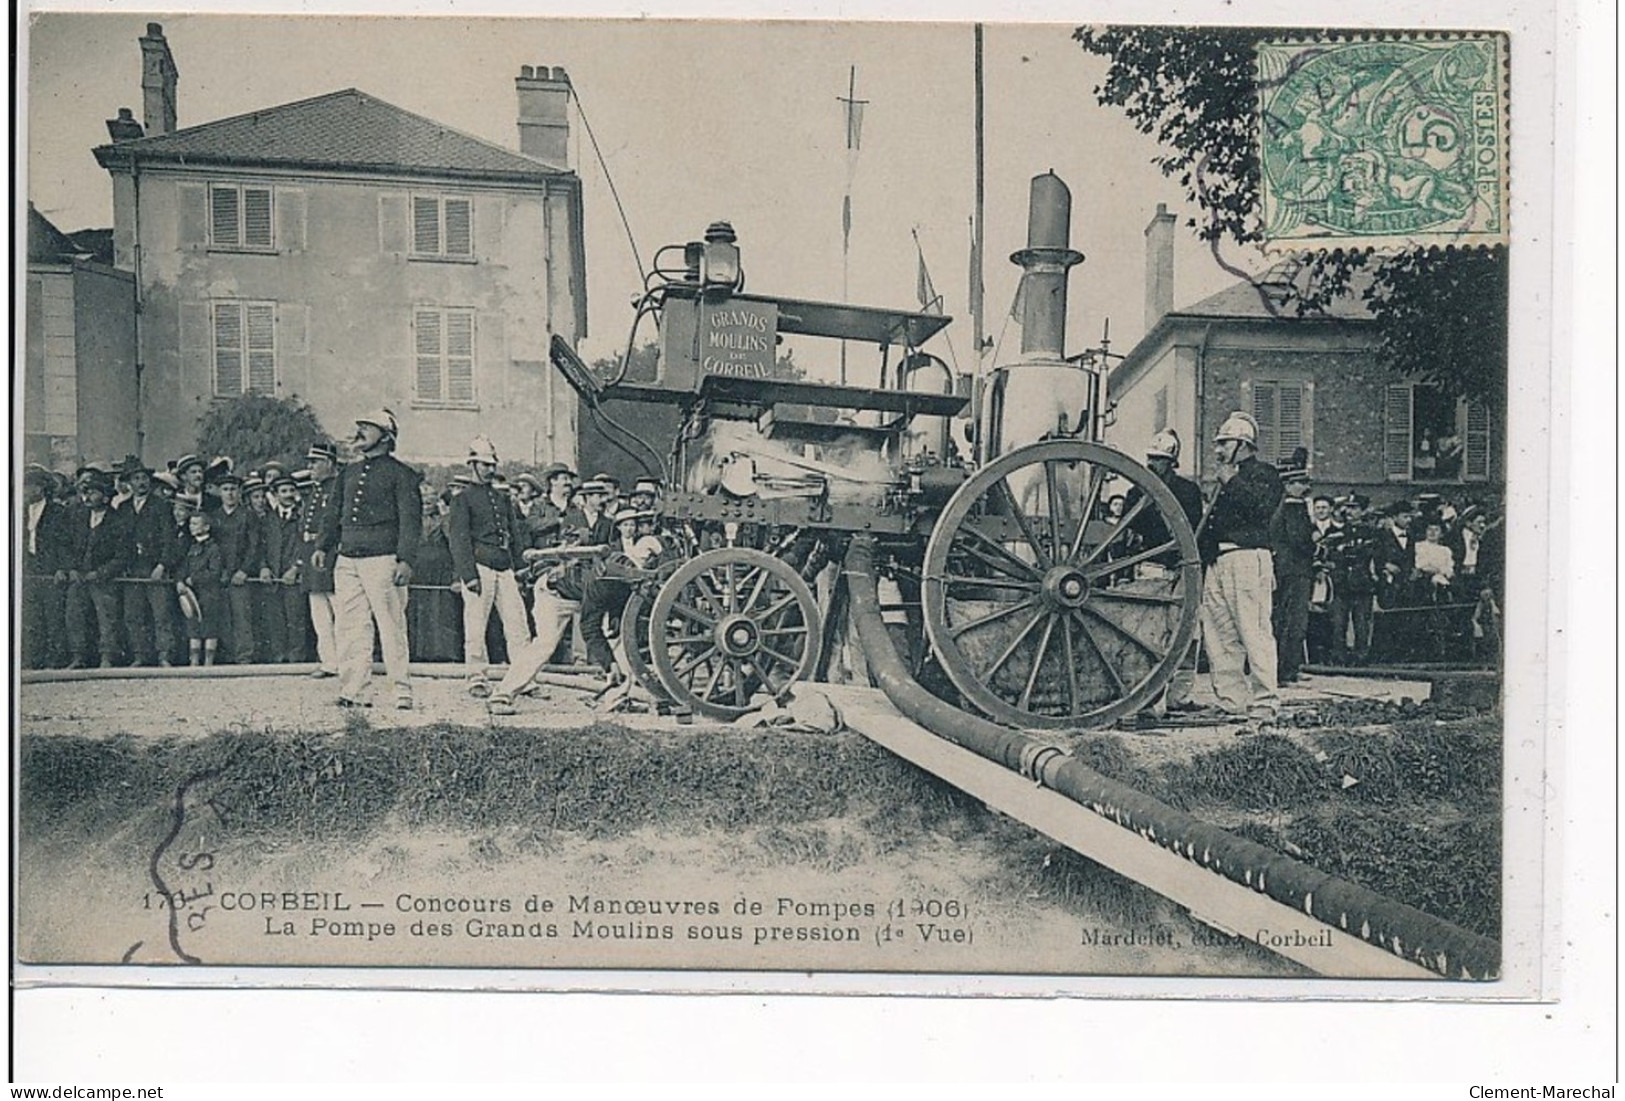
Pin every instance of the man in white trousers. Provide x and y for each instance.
(318, 584)
(485, 546)
(374, 531)
(1239, 586)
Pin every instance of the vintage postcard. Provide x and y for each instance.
(943, 505)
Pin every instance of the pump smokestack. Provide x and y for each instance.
(1044, 263)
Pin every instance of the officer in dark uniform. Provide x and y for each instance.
(374, 532)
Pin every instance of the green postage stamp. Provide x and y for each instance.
(1384, 142)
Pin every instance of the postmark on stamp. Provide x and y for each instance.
(1384, 143)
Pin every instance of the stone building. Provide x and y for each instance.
(351, 254)
(78, 384)
(1312, 381)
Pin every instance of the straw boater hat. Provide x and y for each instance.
(322, 449)
(1296, 469)
(188, 602)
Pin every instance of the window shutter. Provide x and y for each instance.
(459, 227)
(427, 330)
(257, 217)
(290, 219)
(1289, 419)
(460, 355)
(192, 227)
(261, 347)
(393, 232)
(1396, 435)
(1264, 412)
(228, 349)
(425, 225)
(1476, 458)
(223, 216)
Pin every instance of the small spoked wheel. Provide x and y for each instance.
(730, 625)
(1044, 611)
(635, 639)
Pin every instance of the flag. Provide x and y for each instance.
(930, 300)
(854, 124)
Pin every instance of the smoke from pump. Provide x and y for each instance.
(737, 458)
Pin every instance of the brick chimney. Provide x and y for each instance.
(124, 128)
(1159, 266)
(544, 119)
(158, 79)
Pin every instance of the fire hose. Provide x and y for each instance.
(1403, 930)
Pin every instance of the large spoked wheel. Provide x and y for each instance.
(1043, 613)
(730, 624)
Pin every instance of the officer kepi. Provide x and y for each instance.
(1239, 585)
(374, 531)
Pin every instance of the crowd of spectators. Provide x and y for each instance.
(206, 562)
(1418, 580)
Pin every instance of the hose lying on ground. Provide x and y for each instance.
(1404, 930)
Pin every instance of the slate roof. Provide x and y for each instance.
(344, 130)
(46, 243)
(1245, 300)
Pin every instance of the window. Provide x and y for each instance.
(1428, 437)
(240, 217)
(444, 340)
(244, 348)
(442, 227)
(1284, 420)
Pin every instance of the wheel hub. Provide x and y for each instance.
(738, 636)
(1065, 587)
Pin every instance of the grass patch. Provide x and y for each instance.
(599, 781)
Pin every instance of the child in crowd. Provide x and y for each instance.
(202, 572)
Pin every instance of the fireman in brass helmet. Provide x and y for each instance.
(1239, 586)
(1162, 458)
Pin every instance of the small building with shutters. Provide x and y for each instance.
(1310, 381)
(351, 254)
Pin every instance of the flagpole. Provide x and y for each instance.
(976, 254)
(851, 102)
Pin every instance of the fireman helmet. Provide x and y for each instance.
(381, 419)
(482, 450)
(1240, 427)
(1164, 445)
